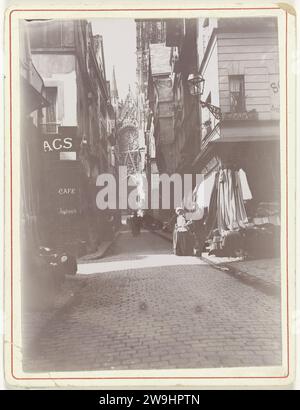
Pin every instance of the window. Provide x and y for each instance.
(51, 119)
(237, 93)
(51, 95)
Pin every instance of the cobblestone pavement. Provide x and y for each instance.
(144, 308)
(36, 318)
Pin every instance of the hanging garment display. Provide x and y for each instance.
(231, 213)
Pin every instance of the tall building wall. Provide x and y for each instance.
(255, 57)
(147, 32)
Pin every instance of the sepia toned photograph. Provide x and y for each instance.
(151, 212)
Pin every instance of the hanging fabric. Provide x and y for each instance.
(211, 220)
(231, 213)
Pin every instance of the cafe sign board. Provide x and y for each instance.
(64, 193)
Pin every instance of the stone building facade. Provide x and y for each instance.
(147, 32)
(238, 60)
(74, 128)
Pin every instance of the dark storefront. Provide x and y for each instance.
(65, 192)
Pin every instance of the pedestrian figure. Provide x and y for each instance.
(135, 223)
(182, 239)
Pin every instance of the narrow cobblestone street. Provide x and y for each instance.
(149, 215)
(141, 307)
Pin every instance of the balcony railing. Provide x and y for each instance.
(50, 128)
(243, 115)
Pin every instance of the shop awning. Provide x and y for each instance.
(241, 131)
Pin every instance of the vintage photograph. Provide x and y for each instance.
(150, 193)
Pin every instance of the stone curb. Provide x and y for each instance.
(228, 265)
(102, 250)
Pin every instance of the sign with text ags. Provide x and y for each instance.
(62, 145)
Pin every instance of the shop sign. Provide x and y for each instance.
(275, 96)
(67, 200)
(57, 143)
(68, 155)
(64, 193)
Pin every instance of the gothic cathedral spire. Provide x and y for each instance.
(114, 88)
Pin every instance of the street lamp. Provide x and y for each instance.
(196, 84)
(196, 87)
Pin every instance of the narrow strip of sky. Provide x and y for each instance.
(119, 40)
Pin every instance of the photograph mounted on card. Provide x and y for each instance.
(150, 195)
